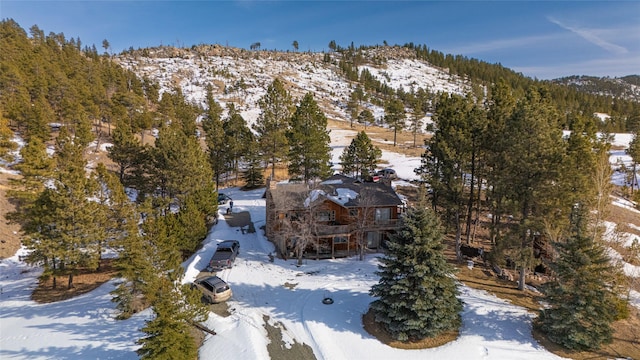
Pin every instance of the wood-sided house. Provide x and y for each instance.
(333, 218)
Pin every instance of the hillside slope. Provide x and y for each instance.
(242, 76)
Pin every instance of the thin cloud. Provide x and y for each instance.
(489, 46)
(591, 36)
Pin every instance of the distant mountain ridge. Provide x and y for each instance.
(626, 87)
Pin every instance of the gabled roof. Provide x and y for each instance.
(340, 189)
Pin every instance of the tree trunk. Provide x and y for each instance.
(458, 236)
(70, 284)
(524, 245)
(477, 217)
(395, 131)
(471, 194)
(521, 283)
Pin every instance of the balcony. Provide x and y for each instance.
(380, 224)
(338, 229)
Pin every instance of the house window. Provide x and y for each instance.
(383, 215)
(339, 240)
(353, 212)
(326, 215)
(373, 239)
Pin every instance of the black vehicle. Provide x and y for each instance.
(225, 255)
(223, 199)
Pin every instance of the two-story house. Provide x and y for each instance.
(337, 217)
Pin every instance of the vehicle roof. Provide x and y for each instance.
(213, 280)
(228, 242)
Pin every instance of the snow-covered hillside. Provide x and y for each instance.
(242, 77)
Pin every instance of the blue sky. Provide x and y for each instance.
(542, 39)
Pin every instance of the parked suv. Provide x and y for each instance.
(214, 289)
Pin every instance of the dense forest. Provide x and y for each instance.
(498, 151)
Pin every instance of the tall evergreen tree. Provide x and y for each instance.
(417, 293)
(395, 117)
(254, 173)
(366, 117)
(214, 135)
(36, 169)
(176, 306)
(309, 154)
(500, 106)
(416, 121)
(273, 123)
(237, 137)
(582, 299)
(59, 228)
(361, 157)
(532, 168)
(125, 152)
(6, 140)
(168, 334)
(447, 160)
(180, 164)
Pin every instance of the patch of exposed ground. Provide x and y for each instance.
(383, 336)
(279, 350)
(241, 219)
(83, 282)
(381, 136)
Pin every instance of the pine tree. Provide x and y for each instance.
(361, 157)
(6, 140)
(417, 293)
(366, 117)
(176, 306)
(125, 151)
(237, 137)
(532, 169)
(254, 174)
(449, 159)
(353, 105)
(309, 154)
(180, 165)
(168, 334)
(273, 123)
(582, 299)
(36, 168)
(214, 135)
(59, 227)
(416, 119)
(395, 117)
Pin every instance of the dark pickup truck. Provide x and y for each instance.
(225, 255)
